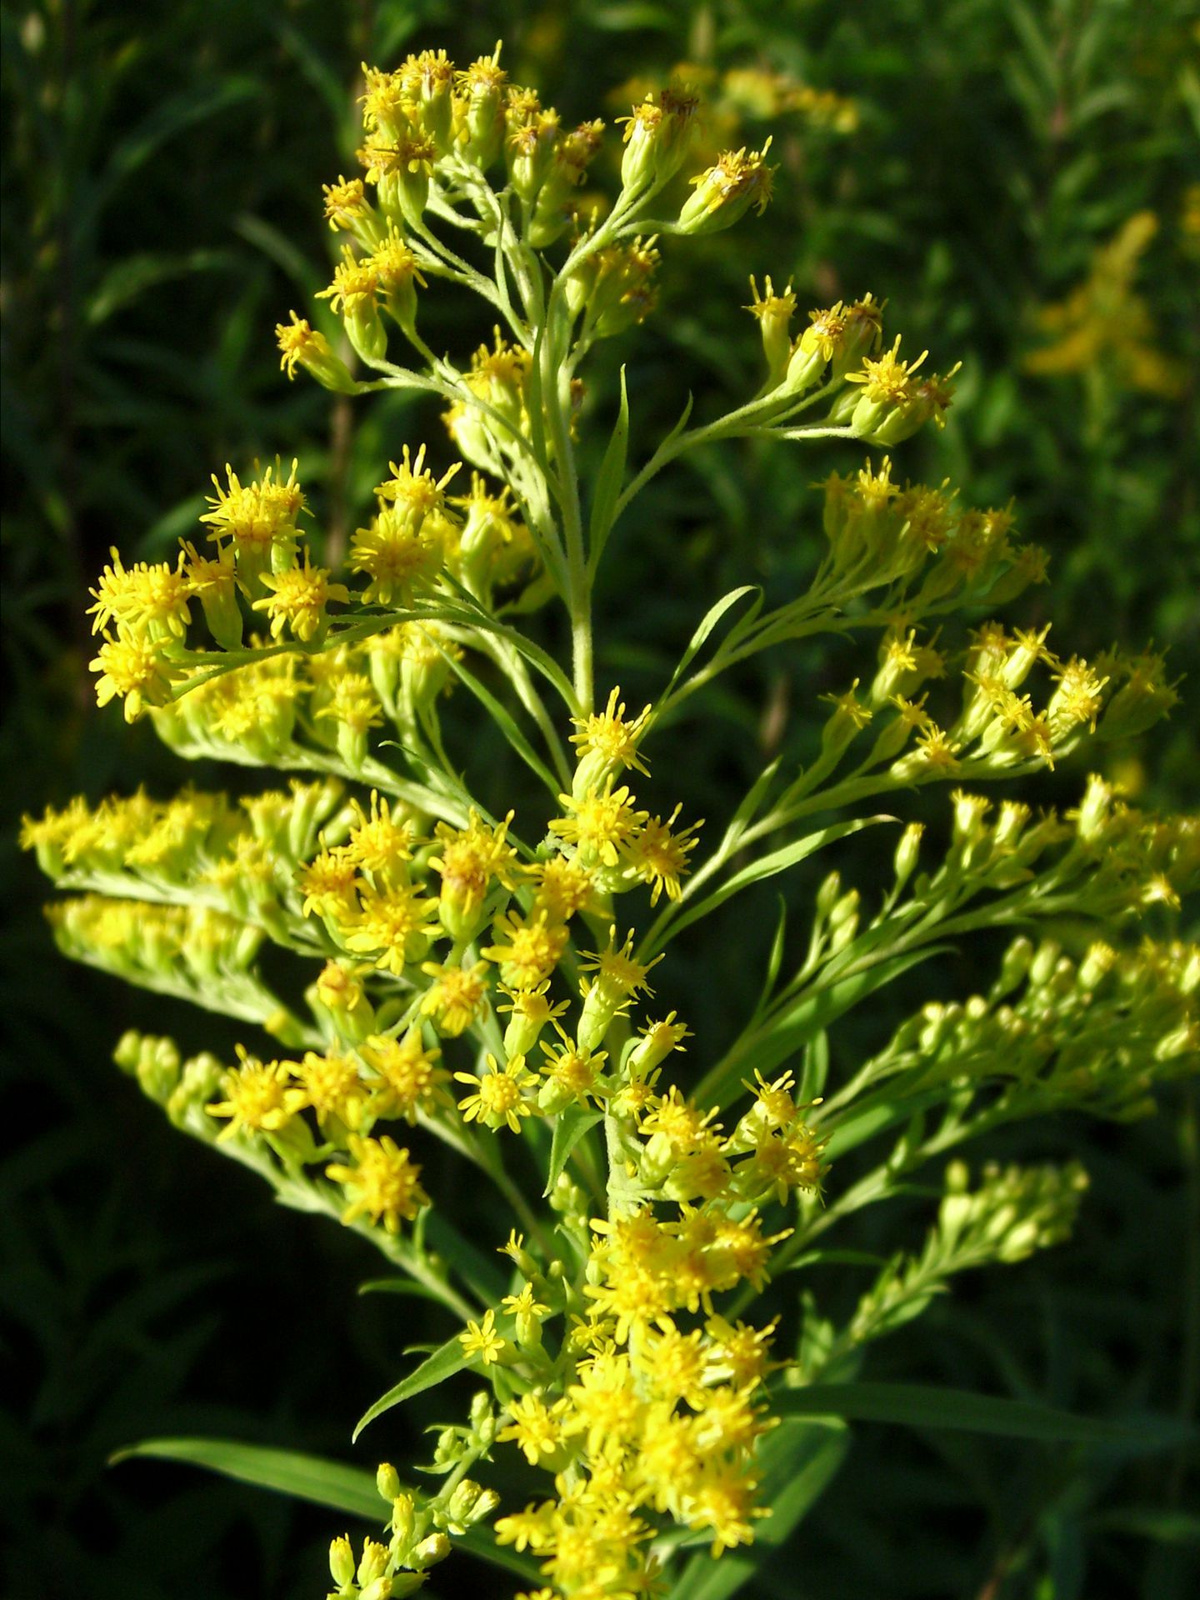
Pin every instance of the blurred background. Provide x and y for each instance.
(1021, 182)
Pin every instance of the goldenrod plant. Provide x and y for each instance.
(452, 968)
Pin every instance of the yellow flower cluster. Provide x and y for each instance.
(422, 542)
(467, 981)
(662, 1407)
(1104, 326)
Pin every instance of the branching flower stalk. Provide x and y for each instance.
(475, 978)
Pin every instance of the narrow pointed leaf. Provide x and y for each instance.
(313, 1478)
(303, 1477)
(569, 1127)
(766, 1047)
(445, 1361)
(405, 1286)
(706, 625)
(608, 482)
(767, 866)
(917, 1405)
(504, 720)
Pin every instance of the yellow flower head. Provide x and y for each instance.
(499, 1097)
(384, 1182)
(143, 599)
(297, 599)
(399, 558)
(132, 666)
(482, 1340)
(381, 838)
(725, 192)
(258, 514)
(329, 884)
(565, 886)
(471, 858)
(659, 857)
(456, 997)
(526, 951)
(331, 1085)
(301, 345)
(355, 283)
(353, 703)
(599, 824)
(258, 1098)
(346, 203)
(407, 1077)
(415, 492)
(536, 1430)
(607, 742)
(392, 925)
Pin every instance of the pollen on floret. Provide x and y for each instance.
(393, 925)
(456, 997)
(256, 514)
(355, 283)
(526, 951)
(535, 1427)
(143, 598)
(888, 380)
(398, 559)
(565, 886)
(300, 344)
(413, 489)
(132, 666)
(331, 1085)
(353, 702)
(616, 969)
(329, 884)
(381, 838)
(345, 202)
(470, 859)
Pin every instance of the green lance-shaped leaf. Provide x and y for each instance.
(445, 1361)
(403, 1286)
(764, 1047)
(314, 1478)
(505, 722)
(303, 1477)
(705, 626)
(918, 1405)
(608, 482)
(569, 1127)
(768, 866)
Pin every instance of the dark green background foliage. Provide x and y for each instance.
(161, 212)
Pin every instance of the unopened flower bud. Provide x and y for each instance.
(430, 1550)
(341, 1562)
(908, 852)
(373, 1564)
(774, 313)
